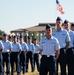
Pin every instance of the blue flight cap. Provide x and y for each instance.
(48, 26)
(14, 36)
(72, 24)
(66, 21)
(10, 37)
(21, 36)
(35, 39)
(29, 37)
(4, 34)
(18, 37)
(58, 18)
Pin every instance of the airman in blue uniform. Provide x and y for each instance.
(30, 54)
(36, 55)
(70, 50)
(6, 52)
(50, 50)
(1, 57)
(63, 37)
(15, 56)
(23, 54)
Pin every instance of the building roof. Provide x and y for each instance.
(18, 30)
(36, 28)
(40, 27)
(44, 24)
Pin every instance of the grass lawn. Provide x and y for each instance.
(35, 72)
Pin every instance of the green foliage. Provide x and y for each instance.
(1, 32)
(33, 34)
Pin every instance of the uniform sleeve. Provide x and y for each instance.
(73, 39)
(33, 48)
(20, 48)
(10, 44)
(1, 45)
(57, 45)
(26, 46)
(40, 46)
(67, 37)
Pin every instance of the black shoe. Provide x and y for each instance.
(32, 71)
(1, 74)
(26, 70)
(18, 73)
(8, 74)
(12, 74)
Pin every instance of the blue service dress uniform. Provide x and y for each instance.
(36, 56)
(63, 37)
(23, 56)
(15, 57)
(6, 55)
(30, 55)
(70, 53)
(1, 58)
(48, 60)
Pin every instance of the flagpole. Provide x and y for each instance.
(55, 12)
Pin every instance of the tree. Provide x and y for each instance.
(33, 34)
(1, 33)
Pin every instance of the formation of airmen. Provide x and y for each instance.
(55, 47)
(15, 50)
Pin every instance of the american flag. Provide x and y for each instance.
(59, 7)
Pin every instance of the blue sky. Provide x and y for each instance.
(15, 14)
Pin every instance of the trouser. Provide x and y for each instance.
(23, 61)
(30, 56)
(1, 64)
(6, 59)
(48, 64)
(62, 61)
(70, 61)
(15, 59)
(36, 59)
